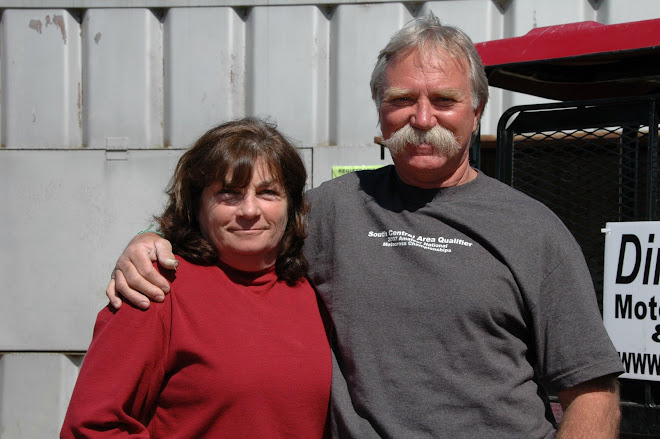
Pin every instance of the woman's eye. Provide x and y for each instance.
(228, 195)
(271, 193)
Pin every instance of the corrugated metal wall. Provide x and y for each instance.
(100, 97)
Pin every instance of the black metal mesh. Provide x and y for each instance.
(591, 163)
(598, 172)
(587, 177)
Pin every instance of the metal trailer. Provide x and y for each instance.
(592, 156)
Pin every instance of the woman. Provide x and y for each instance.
(257, 362)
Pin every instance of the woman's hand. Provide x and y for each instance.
(135, 277)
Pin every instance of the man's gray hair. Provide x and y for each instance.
(428, 30)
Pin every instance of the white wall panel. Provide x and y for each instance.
(66, 216)
(359, 32)
(204, 70)
(123, 79)
(288, 68)
(41, 79)
(468, 15)
(622, 11)
(530, 14)
(36, 389)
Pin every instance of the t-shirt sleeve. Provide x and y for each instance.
(572, 345)
(121, 375)
(317, 245)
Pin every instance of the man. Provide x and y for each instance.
(456, 302)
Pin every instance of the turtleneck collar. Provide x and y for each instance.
(257, 282)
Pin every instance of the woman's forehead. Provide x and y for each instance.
(257, 171)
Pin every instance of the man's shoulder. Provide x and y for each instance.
(501, 193)
(519, 214)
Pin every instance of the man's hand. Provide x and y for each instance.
(135, 277)
(591, 410)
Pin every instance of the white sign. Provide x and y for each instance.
(631, 292)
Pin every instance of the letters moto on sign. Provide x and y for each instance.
(631, 288)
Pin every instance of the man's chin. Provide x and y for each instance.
(423, 162)
(426, 150)
(420, 162)
(423, 149)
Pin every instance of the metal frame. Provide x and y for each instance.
(621, 133)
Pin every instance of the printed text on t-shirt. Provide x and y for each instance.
(398, 238)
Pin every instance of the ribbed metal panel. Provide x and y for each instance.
(123, 79)
(65, 216)
(36, 388)
(100, 97)
(204, 61)
(41, 80)
(288, 71)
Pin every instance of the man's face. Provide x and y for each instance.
(425, 90)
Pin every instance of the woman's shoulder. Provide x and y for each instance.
(187, 276)
(185, 269)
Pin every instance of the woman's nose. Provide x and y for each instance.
(249, 206)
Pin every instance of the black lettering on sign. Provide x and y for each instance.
(624, 308)
(625, 240)
(632, 243)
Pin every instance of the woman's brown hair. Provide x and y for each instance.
(235, 147)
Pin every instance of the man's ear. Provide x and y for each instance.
(478, 112)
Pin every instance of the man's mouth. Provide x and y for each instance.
(423, 149)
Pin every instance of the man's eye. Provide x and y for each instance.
(443, 100)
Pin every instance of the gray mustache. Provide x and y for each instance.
(441, 139)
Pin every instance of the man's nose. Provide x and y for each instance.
(423, 117)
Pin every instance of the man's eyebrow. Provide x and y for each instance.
(448, 93)
(395, 92)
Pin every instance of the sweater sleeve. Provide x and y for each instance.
(121, 375)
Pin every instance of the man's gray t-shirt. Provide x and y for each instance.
(454, 310)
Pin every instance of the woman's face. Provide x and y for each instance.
(246, 225)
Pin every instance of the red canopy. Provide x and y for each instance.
(578, 60)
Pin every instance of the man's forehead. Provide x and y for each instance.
(431, 57)
(442, 71)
